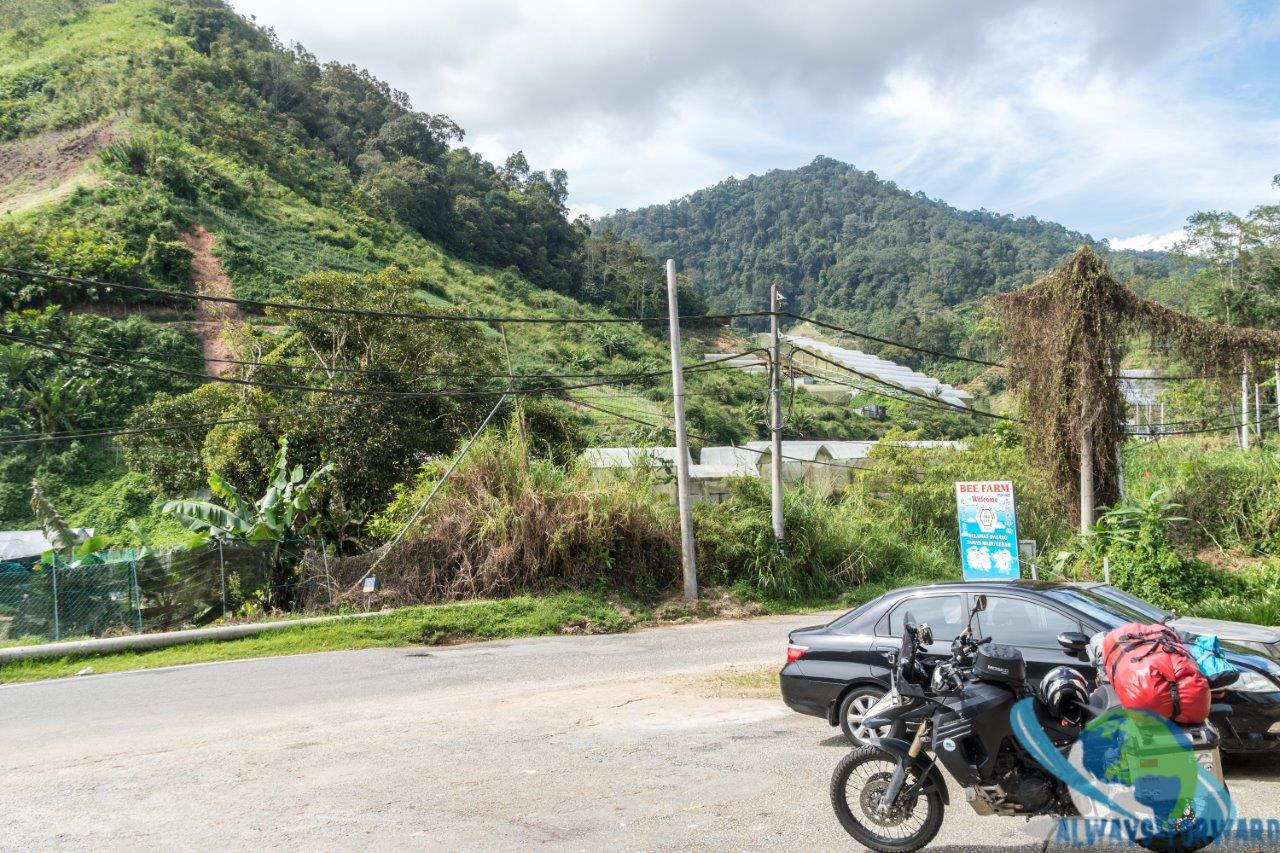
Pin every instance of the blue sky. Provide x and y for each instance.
(1117, 119)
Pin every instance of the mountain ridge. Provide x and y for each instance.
(844, 240)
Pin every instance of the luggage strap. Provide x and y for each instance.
(1162, 640)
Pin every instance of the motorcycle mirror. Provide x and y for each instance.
(979, 603)
(1073, 642)
(924, 634)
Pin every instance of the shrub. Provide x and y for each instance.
(505, 523)
(831, 546)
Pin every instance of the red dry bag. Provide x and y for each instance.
(1151, 669)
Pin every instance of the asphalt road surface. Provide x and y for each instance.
(665, 739)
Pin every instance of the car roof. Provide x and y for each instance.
(1020, 585)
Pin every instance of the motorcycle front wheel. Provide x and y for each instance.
(857, 787)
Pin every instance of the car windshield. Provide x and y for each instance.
(1108, 611)
(1146, 608)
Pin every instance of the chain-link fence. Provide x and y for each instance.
(133, 592)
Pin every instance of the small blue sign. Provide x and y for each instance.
(371, 584)
(988, 531)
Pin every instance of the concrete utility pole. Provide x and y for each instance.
(688, 557)
(1086, 481)
(775, 414)
(1244, 407)
(1257, 410)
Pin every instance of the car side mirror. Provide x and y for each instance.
(979, 603)
(1073, 642)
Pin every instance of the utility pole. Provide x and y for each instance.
(1257, 410)
(775, 414)
(1277, 370)
(1244, 407)
(688, 557)
(1086, 473)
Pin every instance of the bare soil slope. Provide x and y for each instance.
(45, 167)
(214, 319)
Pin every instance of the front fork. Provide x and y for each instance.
(899, 777)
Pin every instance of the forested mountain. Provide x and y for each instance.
(844, 239)
(166, 146)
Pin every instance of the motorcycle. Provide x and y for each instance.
(890, 794)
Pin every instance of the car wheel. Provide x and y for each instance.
(853, 708)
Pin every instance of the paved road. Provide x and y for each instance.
(659, 740)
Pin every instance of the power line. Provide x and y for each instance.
(114, 432)
(886, 342)
(881, 394)
(375, 372)
(934, 400)
(364, 392)
(704, 438)
(364, 312)
(951, 356)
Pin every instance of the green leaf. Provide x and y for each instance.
(54, 527)
(225, 492)
(204, 516)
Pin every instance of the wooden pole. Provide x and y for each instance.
(688, 557)
(775, 416)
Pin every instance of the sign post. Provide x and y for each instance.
(988, 531)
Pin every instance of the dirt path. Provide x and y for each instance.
(213, 319)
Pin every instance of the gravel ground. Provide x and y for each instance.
(664, 739)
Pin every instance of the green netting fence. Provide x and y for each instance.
(123, 592)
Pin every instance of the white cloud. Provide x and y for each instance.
(1085, 111)
(1148, 242)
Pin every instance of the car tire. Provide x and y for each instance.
(854, 704)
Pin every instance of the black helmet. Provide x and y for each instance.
(1064, 693)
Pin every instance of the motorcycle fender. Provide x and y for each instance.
(900, 750)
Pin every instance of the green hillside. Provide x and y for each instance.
(845, 242)
(174, 145)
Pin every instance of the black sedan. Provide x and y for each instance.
(837, 671)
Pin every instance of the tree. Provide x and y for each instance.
(1064, 336)
(281, 518)
(281, 515)
(1237, 261)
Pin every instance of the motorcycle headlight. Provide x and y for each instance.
(1253, 682)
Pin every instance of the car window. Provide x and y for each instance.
(944, 614)
(1146, 608)
(1109, 612)
(1019, 622)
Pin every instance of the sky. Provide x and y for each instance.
(1116, 119)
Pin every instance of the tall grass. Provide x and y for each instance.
(1229, 498)
(833, 546)
(506, 523)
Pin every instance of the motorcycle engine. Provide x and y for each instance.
(1018, 789)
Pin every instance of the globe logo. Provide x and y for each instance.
(1143, 763)
(1133, 774)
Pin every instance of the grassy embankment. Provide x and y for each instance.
(429, 625)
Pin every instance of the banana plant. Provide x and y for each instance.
(280, 515)
(71, 548)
